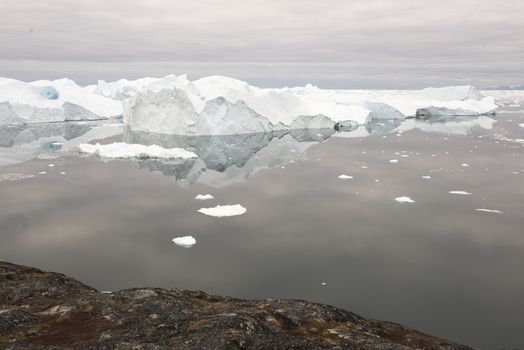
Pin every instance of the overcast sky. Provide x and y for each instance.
(332, 43)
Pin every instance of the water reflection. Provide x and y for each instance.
(20, 143)
(222, 160)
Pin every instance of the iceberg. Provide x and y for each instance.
(170, 111)
(157, 110)
(404, 199)
(185, 241)
(218, 105)
(55, 101)
(223, 210)
(312, 122)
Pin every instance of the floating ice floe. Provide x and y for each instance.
(464, 165)
(460, 192)
(345, 177)
(393, 161)
(404, 200)
(426, 177)
(489, 211)
(15, 177)
(203, 197)
(521, 125)
(185, 241)
(224, 210)
(125, 150)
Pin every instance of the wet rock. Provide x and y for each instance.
(43, 310)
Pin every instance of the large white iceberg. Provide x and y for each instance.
(175, 105)
(54, 101)
(218, 105)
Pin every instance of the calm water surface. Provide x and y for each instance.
(437, 264)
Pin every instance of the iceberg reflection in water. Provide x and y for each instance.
(222, 160)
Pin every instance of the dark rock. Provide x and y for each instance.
(43, 310)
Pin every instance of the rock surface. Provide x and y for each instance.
(44, 310)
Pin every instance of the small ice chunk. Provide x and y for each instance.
(185, 241)
(393, 161)
(521, 125)
(323, 283)
(464, 165)
(490, 211)
(223, 210)
(50, 165)
(42, 172)
(404, 200)
(204, 197)
(426, 177)
(126, 150)
(460, 192)
(345, 177)
(63, 173)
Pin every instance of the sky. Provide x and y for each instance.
(330, 43)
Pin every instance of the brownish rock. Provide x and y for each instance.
(45, 310)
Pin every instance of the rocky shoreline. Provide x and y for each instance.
(45, 310)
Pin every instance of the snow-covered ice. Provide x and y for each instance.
(203, 197)
(224, 210)
(218, 105)
(404, 200)
(185, 241)
(125, 150)
(460, 192)
(393, 161)
(345, 177)
(54, 101)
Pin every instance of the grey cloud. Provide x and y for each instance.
(379, 37)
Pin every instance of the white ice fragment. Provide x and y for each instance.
(185, 241)
(125, 150)
(63, 173)
(404, 200)
(460, 192)
(42, 172)
(489, 211)
(323, 283)
(50, 165)
(426, 177)
(393, 161)
(203, 197)
(345, 177)
(464, 165)
(223, 210)
(521, 125)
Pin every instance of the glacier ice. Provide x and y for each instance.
(218, 105)
(55, 101)
(47, 92)
(170, 111)
(312, 122)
